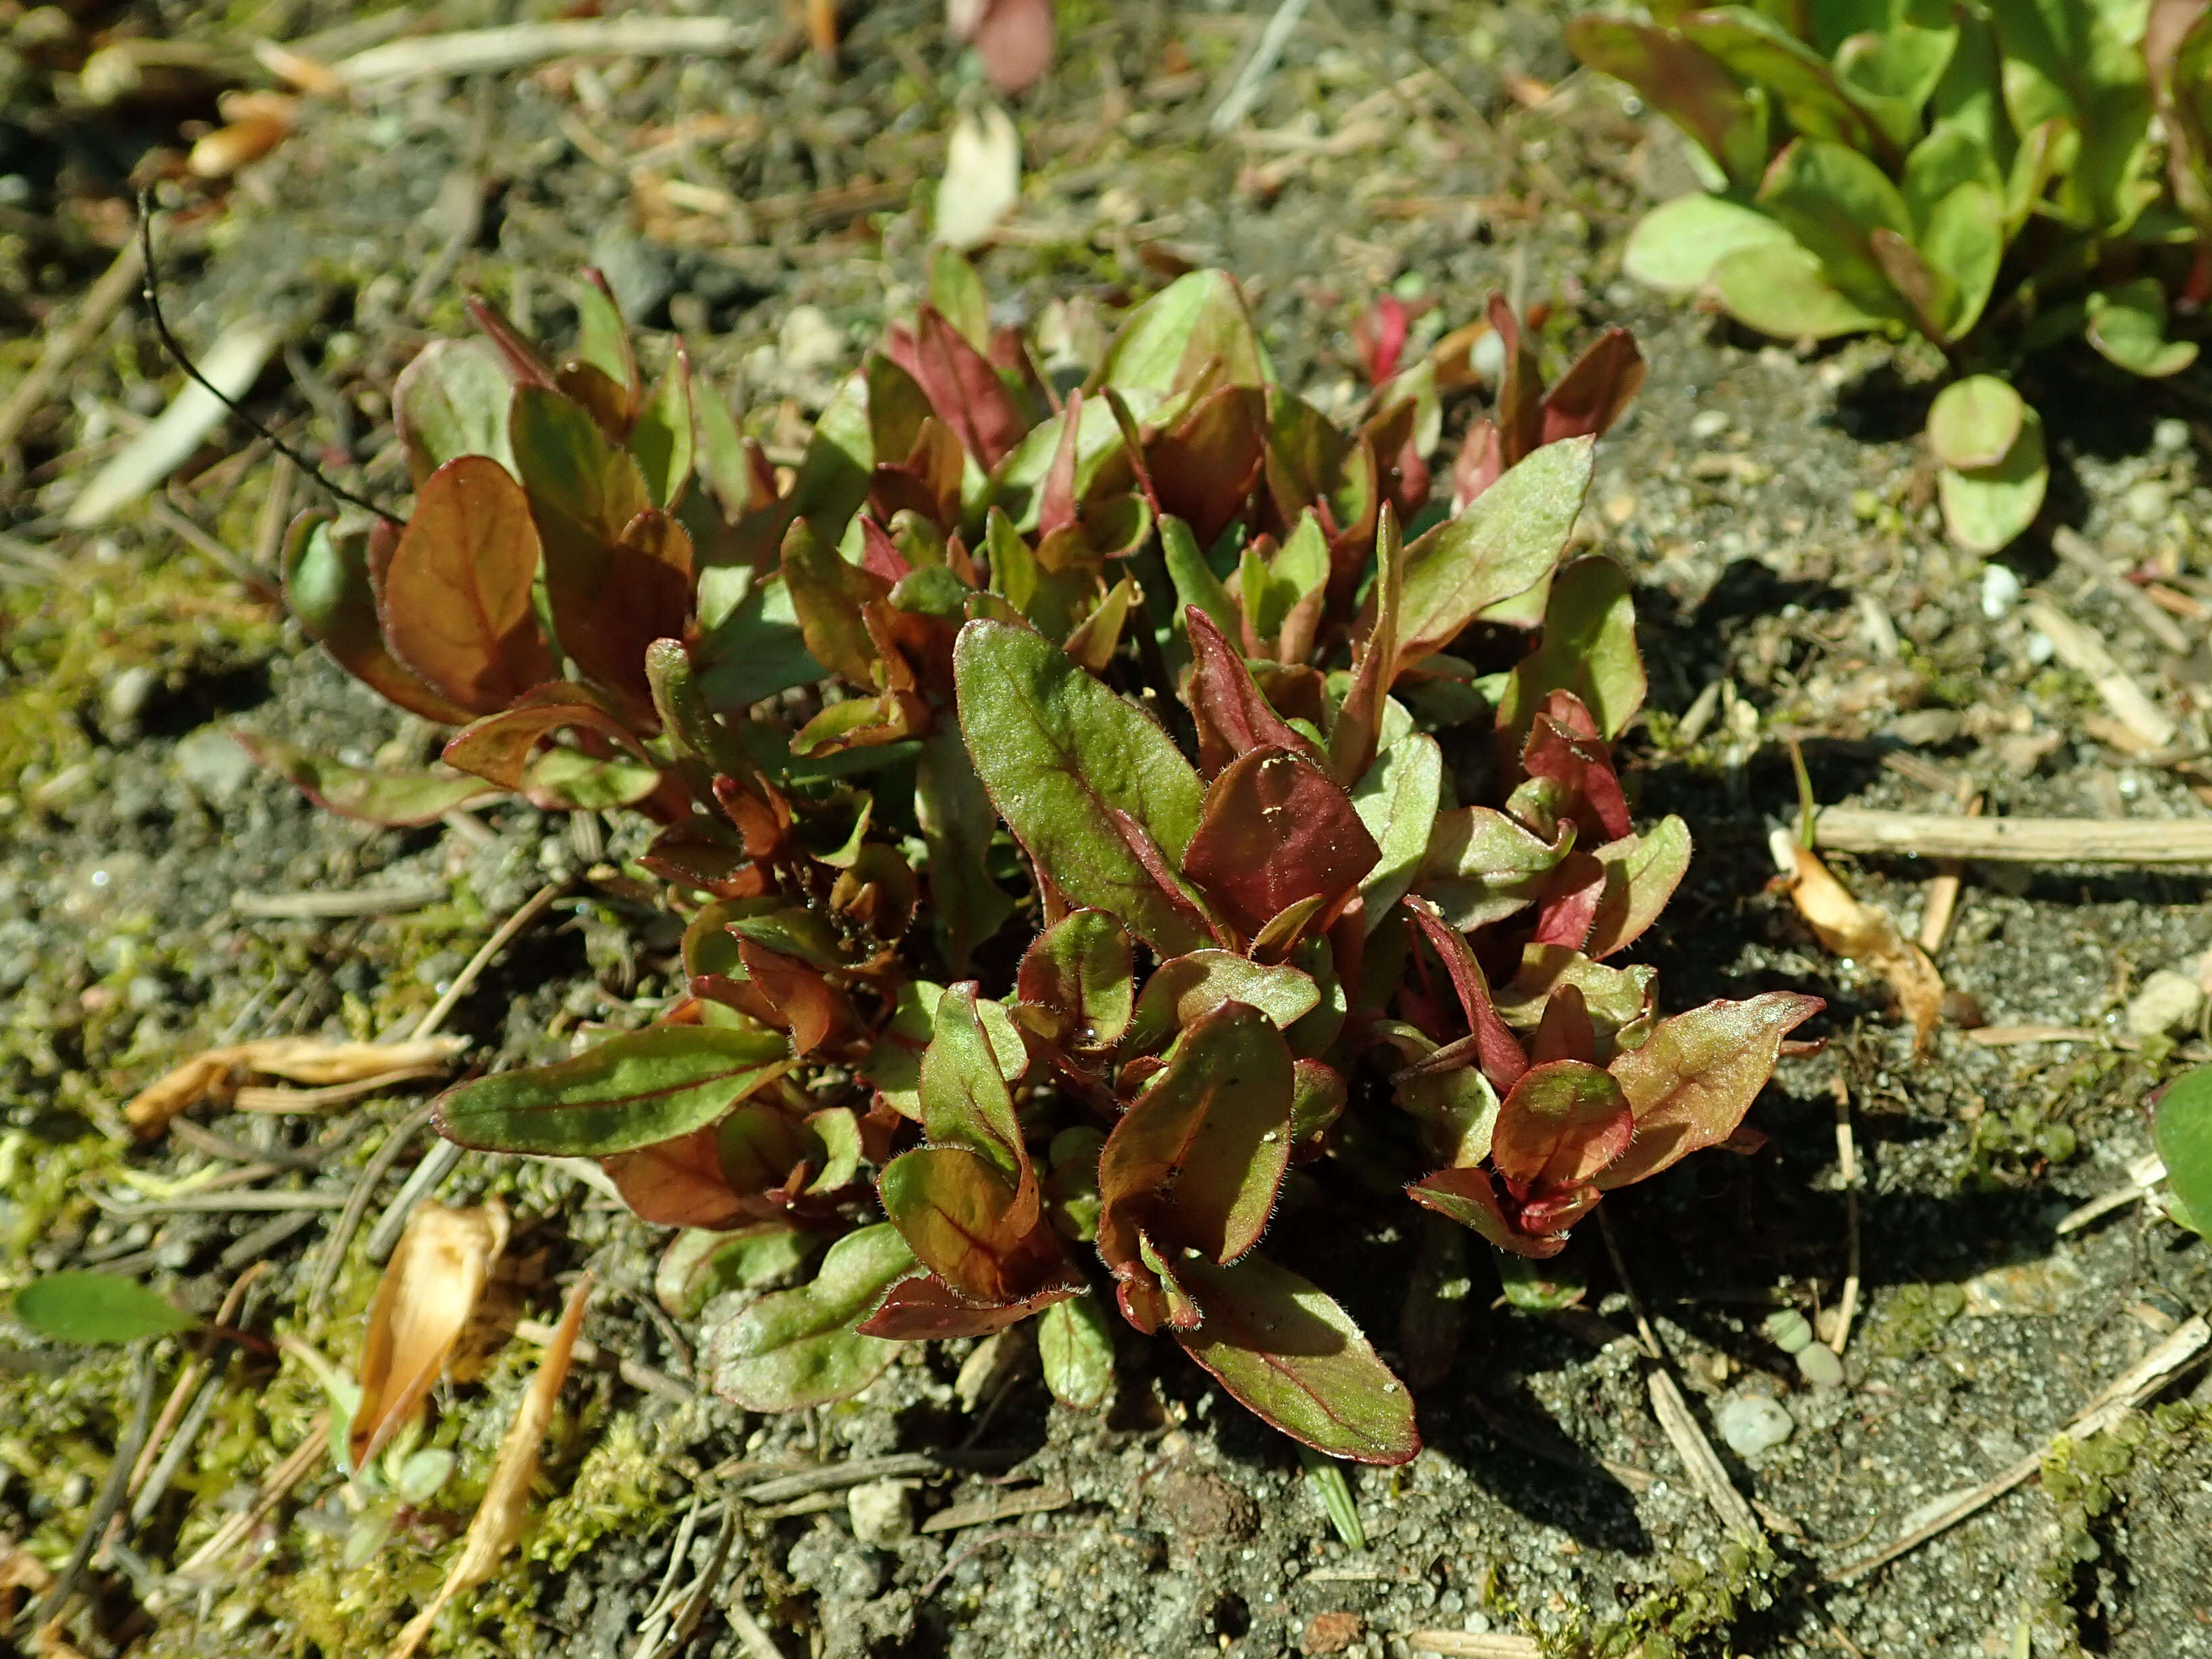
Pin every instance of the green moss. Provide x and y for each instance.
(1910, 1320)
(619, 1487)
(1694, 1614)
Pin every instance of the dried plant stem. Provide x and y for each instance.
(2127, 1391)
(356, 1203)
(2016, 841)
(2080, 650)
(1847, 1166)
(105, 1505)
(1466, 1644)
(2077, 549)
(188, 1379)
(314, 1446)
(481, 52)
(2145, 1173)
(533, 907)
(1942, 907)
(359, 901)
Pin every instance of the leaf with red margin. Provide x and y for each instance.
(455, 601)
(678, 1184)
(923, 1308)
(1079, 971)
(1570, 903)
(805, 1002)
(1697, 1074)
(1482, 865)
(1565, 1032)
(1465, 1193)
(760, 1147)
(1561, 1124)
(1182, 990)
(330, 586)
(1197, 1159)
(958, 1214)
(1232, 714)
(800, 1347)
(1287, 1351)
(965, 1102)
(1204, 467)
(1563, 745)
(1502, 1058)
(1641, 874)
(965, 390)
(498, 746)
(1586, 400)
(1518, 410)
(1276, 830)
(1356, 732)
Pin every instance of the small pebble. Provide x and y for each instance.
(2149, 502)
(2045, 1287)
(127, 693)
(809, 340)
(1753, 1423)
(1709, 424)
(2167, 1004)
(2170, 436)
(2000, 589)
(212, 763)
(879, 1513)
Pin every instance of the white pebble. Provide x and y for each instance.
(2000, 589)
(2167, 1004)
(1754, 1423)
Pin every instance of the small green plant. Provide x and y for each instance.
(1996, 176)
(2183, 1132)
(1049, 781)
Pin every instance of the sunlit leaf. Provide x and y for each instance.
(1058, 752)
(1079, 970)
(631, 1090)
(1482, 865)
(455, 603)
(96, 1307)
(1276, 830)
(798, 1348)
(450, 401)
(1561, 1122)
(1676, 245)
(1697, 1074)
(1975, 422)
(1986, 508)
(1588, 647)
(327, 586)
(355, 792)
(1289, 1352)
(2184, 1131)
(1197, 320)
(1397, 800)
(1641, 874)
(964, 1099)
(423, 1305)
(701, 1265)
(1184, 989)
(1075, 1345)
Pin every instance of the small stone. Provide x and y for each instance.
(1754, 1423)
(214, 763)
(2170, 436)
(1709, 424)
(1619, 508)
(879, 1513)
(128, 693)
(2044, 1287)
(2167, 1005)
(2149, 502)
(809, 340)
(2000, 589)
(1817, 1364)
(1331, 1633)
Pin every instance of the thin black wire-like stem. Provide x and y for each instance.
(171, 345)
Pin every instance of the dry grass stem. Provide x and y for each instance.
(2015, 840)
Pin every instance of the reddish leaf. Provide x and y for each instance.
(455, 598)
(1353, 739)
(965, 1102)
(965, 390)
(1570, 901)
(958, 1214)
(330, 587)
(1697, 1074)
(1196, 1160)
(1563, 744)
(1566, 1032)
(1641, 874)
(1233, 715)
(1502, 1058)
(498, 746)
(523, 360)
(764, 1149)
(922, 1309)
(1290, 1354)
(1518, 408)
(1013, 37)
(1204, 469)
(1276, 829)
(1465, 1193)
(827, 594)
(678, 1184)
(1056, 504)
(1561, 1124)
(1589, 396)
(804, 1001)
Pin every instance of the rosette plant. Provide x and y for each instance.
(1105, 902)
(1997, 176)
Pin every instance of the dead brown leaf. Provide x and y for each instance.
(215, 1073)
(1863, 934)
(423, 1302)
(500, 1518)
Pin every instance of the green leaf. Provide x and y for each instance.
(1765, 54)
(1985, 507)
(1079, 971)
(956, 822)
(398, 799)
(1641, 874)
(1964, 238)
(1506, 542)
(1696, 1075)
(2127, 325)
(1196, 1160)
(1334, 1494)
(1891, 72)
(701, 1264)
(1076, 1347)
(957, 293)
(449, 402)
(662, 441)
(1535, 1286)
(1194, 322)
(1288, 1353)
(95, 1307)
(798, 1348)
(1397, 800)
(1185, 989)
(965, 1102)
(894, 1064)
(602, 337)
(1588, 647)
(961, 1216)
(2183, 1132)
(1781, 289)
(1831, 199)
(1676, 247)
(1975, 422)
(629, 1091)
(1481, 865)
(755, 650)
(1059, 753)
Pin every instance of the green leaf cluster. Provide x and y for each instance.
(1051, 782)
(1996, 176)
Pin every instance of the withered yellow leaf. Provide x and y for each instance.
(1863, 934)
(215, 1073)
(429, 1290)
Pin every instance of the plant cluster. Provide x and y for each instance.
(1994, 175)
(1048, 778)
